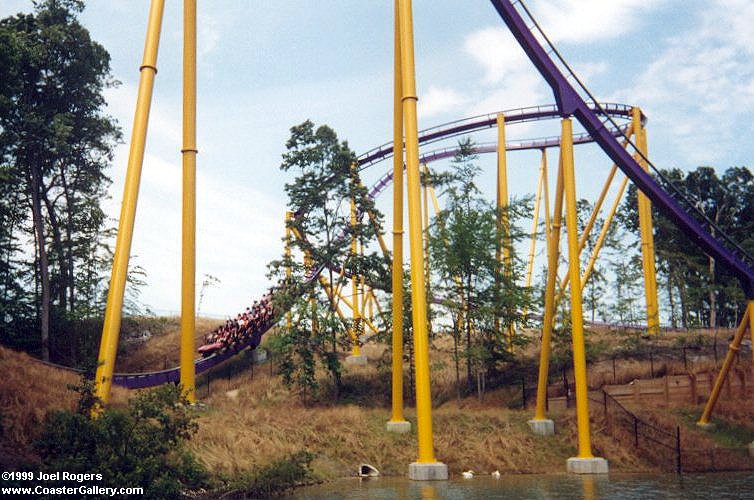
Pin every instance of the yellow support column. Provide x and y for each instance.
(535, 226)
(113, 311)
(647, 233)
(312, 298)
(704, 420)
(189, 151)
(540, 424)
(426, 467)
(503, 252)
(585, 462)
(590, 224)
(603, 234)
(356, 358)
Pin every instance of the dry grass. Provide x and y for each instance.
(29, 391)
(249, 423)
(163, 348)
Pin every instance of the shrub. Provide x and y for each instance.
(141, 445)
(274, 479)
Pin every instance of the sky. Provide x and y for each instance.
(266, 66)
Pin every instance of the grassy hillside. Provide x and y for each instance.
(162, 349)
(29, 390)
(249, 419)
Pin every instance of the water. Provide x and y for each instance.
(541, 487)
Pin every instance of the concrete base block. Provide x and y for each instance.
(435, 471)
(359, 360)
(707, 427)
(751, 449)
(399, 427)
(258, 356)
(544, 427)
(595, 465)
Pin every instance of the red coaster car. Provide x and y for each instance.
(208, 349)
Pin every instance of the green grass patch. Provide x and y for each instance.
(725, 434)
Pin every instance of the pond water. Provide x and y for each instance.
(545, 487)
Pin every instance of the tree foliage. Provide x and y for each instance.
(325, 181)
(463, 246)
(141, 445)
(698, 291)
(55, 146)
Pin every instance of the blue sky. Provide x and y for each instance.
(265, 66)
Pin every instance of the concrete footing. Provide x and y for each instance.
(708, 426)
(398, 426)
(258, 355)
(434, 471)
(594, 465)
(543, 427)
(359, 360)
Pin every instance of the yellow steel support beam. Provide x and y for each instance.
(189, 151)
(577, 321)
(380, 238)
(603, 234)
(588, 229)
(534, 225)
(553, 257)
(590, 224)
(546, 192)
(356, 327)
(328, 291)
(746, 322)
(418, 291)
(647, 233)
(312, 298)
(376, 303)
(503, 251)
(396, 414)
(376, 227)
(111, 328)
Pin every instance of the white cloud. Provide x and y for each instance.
(438, 100)
(238, 233)
(589, 20)
(510, 80)
(497, 52)
(699, 89)
(164, 119)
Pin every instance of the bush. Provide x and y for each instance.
(141, 445)
(274, 479)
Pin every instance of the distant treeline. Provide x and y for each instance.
(695, 290)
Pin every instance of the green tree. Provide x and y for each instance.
(462, 247)
(320, 195)
(55, 144)
(705, 293)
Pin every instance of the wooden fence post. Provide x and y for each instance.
(667, 390)
(678, 449)
(692, 387)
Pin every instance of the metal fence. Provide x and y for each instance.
(665, 447)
